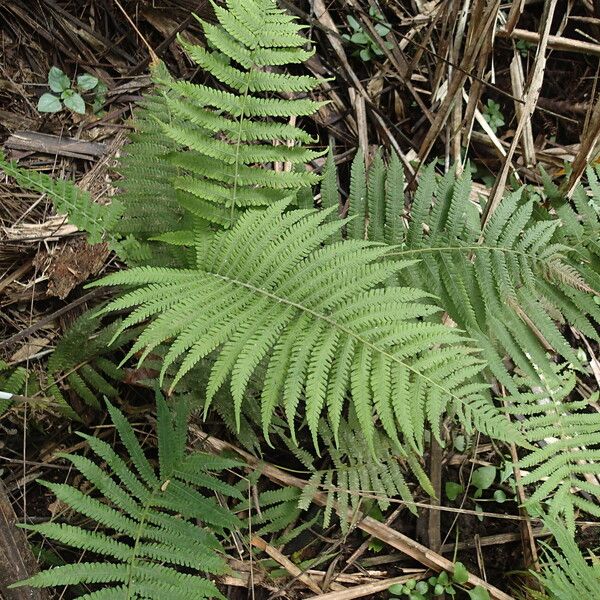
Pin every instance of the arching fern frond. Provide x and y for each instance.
(149, 541)
(268, 292)
(566, 574)
(509, 286)
(229, 139)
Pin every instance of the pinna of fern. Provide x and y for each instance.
(564, 465)
(317, 317)
(230, 138)
(566, 574)
(156, 549)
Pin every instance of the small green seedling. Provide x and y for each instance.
(523, 47)
(71, 96)
(453, 490)
(436, 586)
(482, 479)
(367, 47)
(493, 115)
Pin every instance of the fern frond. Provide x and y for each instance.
(566, 574)
(239, 127)
(271, 293)
(509, 286)
(79, 363)
(567, 436)
(156, 549)
(94, 218)
(12, 381)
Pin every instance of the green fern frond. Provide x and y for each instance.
(228, 139)
(12, 381)
(146, 191)
(357, 476)
(510, 286)
(566, 574)
(80, 363)
(94, 218)
(155, 540)
(567, 435)
(316, 316)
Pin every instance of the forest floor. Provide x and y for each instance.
(421, 77)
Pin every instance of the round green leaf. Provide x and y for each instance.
(422, 587)
(75, 103)
(438, 590)
(410, 584)
(483, 477)
(359, 38)
(57, 80)
(87, 82)
(499, 496)
(382, 29)
(460, 575)
(479, 593)
(453, 490)
(365, 54)
(443, 578)
(48, 103)
(396, 588)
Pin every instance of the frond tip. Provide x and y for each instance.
(269, 293)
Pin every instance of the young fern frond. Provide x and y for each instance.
(269, 292)
(229, 140)
(155, 548)
(509, 286)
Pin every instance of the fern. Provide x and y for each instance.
(12, 381)
(567, 434)
(79, 362)
(156, 549)
(225, 142)
(96, 219)
(151, 209)
(566, 573)
(356, 475)
(509, 285)
(267, 291)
